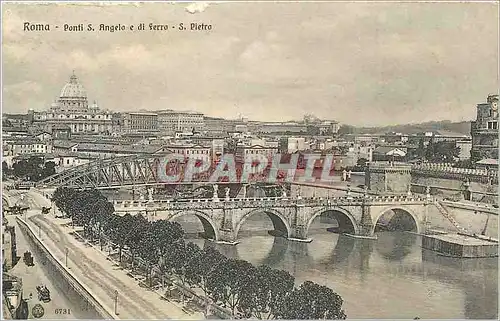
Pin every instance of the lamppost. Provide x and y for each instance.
(116, 302)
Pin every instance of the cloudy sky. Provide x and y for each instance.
(358, 63)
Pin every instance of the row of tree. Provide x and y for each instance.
(247, 291)
(30, 169)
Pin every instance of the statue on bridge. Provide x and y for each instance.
(344, 175)
(283, 195)
(216, 194)
(428, 191)
(348, 194)
(227, 193)
(150, 194)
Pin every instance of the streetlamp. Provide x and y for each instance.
(116, 302)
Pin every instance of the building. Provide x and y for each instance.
(171, 121)
(15, 146)
(296, 144)
(388, 153)
(465, 148)
(61, 131)
(383, 178)
(187, 150)
(217, 148)
(275, 128)
(72, 109)
(134, 122)
(484, 130)
(218, 125)
(328, 127)
(243, 150)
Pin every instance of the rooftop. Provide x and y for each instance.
(488, 161)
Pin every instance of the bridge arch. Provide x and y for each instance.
(279, 222)
(209, 227)
(396, 209)
(344, 217)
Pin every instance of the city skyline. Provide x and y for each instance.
(360, 64)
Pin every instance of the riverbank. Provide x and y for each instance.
(96, 271)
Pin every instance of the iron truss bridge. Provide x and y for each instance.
(109, 173)
(124, 171)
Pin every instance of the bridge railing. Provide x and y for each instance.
(268, 201)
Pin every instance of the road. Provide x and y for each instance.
(97, 273)
(37, 275)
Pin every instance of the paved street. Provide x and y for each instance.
(37, 275)
(97, 273)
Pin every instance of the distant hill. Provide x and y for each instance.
(458, 127)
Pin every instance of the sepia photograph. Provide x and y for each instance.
(268, 160)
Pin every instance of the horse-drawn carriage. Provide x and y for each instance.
(45, 210)
(28, 258)
(43, 293)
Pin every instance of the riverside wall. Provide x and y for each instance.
(67, 282)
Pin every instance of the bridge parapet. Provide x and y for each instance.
(269, 202)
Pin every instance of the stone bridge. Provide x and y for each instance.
(291, 217)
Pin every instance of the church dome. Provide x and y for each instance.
(73, 89)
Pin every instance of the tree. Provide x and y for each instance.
(201, 267)
(265, 296)
(148, 252)
(102, 210)
(5, 169)
(174, 258)
(166, 233)
(312, 301)
(421, 149)
(63, 198)
(442, 151)
(191, 251)
(126, 230)
(138, 227)
(229, 282)
(49, 169)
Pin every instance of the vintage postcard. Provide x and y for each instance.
(250, 160)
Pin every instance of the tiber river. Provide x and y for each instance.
(386, 278)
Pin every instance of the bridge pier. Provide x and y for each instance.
(226, 236)
(299, 234)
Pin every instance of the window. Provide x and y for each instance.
(492, 125)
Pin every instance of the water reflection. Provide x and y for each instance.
(391, 277)
(395, 246)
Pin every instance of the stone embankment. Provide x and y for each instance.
(66, 277)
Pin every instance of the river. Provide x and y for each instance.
(391, 277)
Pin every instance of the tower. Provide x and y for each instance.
(484, 130)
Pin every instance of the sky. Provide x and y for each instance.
(364, 64)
